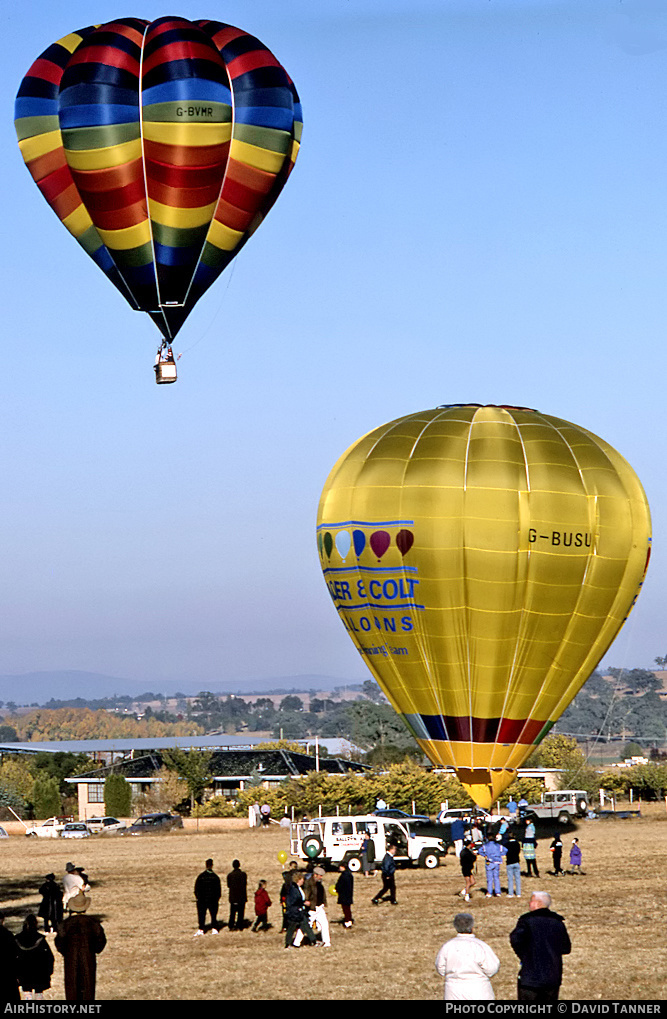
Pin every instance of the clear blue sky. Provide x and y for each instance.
(478, 213)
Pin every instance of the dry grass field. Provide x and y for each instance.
(142, 891)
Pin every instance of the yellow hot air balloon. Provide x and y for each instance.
(482, 560)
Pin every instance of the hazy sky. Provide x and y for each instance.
(478, 213)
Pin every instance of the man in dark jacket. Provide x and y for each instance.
(237, 882)
(295, 912)
(388, 878)
(540, 939)
(207, 893)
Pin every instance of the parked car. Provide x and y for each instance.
(104, 824)
(400, 815)
(4, 833)
(564, 805)
(49, 829)
(154, 824)
(75, 830)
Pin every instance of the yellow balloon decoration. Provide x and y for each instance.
(482, 560)
(282, 856)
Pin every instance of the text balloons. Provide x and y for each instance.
(161, 147)
(529, 541)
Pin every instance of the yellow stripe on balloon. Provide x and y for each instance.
(104, 158)
(187, 135)
(184, 219)
(78, 221)
(39, 145)
(129, 237)
(252, 155)
(223, 237)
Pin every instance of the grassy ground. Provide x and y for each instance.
(142, 891)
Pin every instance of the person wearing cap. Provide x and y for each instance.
(80, 939)
(493, 851)
(467, 964)
(316, 902)
(73, 883)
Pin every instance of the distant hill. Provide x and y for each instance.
(41, 687)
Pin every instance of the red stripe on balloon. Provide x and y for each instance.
(250, 62)
(45, 70)
(182, 49)
(109, 56)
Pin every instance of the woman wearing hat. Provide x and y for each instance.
(79, 940)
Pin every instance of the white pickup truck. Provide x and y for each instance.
(50, 829)
(335, 840)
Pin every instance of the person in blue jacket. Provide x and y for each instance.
(493, 852)
(457, 830)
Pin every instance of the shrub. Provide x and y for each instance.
(117, 796)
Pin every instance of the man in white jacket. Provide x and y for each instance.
(467, 964)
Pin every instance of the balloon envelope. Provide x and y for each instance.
(161, 147)
(531, 541)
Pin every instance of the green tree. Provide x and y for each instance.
(194, 767)
(558, 751)
(8, 734)
(46, 797)
(117, 795)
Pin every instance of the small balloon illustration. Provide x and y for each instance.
(328, 544)
(404, 541)
(380, 542)
(359, 539)
(343, 543)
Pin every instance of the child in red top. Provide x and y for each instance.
(262, 903)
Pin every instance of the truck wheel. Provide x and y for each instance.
(429, 860)
(353, 863)
(312, 846)
(563, 817)
(583, 806)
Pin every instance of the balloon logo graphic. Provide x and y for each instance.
(359, 539)
(328, 544)
(532, 541)
(161, 147)
(343, 543)
(404, 541)
(380, 542)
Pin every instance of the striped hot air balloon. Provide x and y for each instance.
(503, 551)
(161, 146)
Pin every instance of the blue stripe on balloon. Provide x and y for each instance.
(34, 107)
(186, 89)
(92, 115)
(279, 117)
